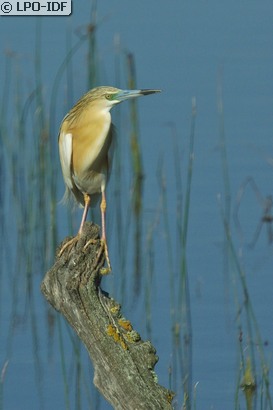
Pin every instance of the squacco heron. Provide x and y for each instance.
(85, 137)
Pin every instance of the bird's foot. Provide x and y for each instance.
(103, 247)
(105, 271)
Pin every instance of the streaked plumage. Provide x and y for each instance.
(84, 140)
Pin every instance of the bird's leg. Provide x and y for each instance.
(103, 212)
(104, 247)
(87, 201)
(103, 236)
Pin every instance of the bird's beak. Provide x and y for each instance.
(126, 94)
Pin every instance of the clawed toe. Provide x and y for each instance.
(67, 245)
(90, 242)
(103, 248)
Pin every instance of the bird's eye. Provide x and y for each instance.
(108, 96)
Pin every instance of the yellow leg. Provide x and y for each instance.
(104, 246)
(103, 213)
(87, 201)
(103, 230)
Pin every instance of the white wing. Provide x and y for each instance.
(65, 148)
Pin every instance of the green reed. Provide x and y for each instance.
(119, 183)
(92, 61)
(180, 370)
(138, 175)
(253, 365)
(184, 296)
(250, 372)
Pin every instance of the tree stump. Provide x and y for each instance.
(123, 363)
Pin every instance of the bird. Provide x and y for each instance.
(85, 137)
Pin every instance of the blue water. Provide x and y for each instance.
(187, 50)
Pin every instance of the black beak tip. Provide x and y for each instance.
(148, 91)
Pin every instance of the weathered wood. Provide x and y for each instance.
(123, 363)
